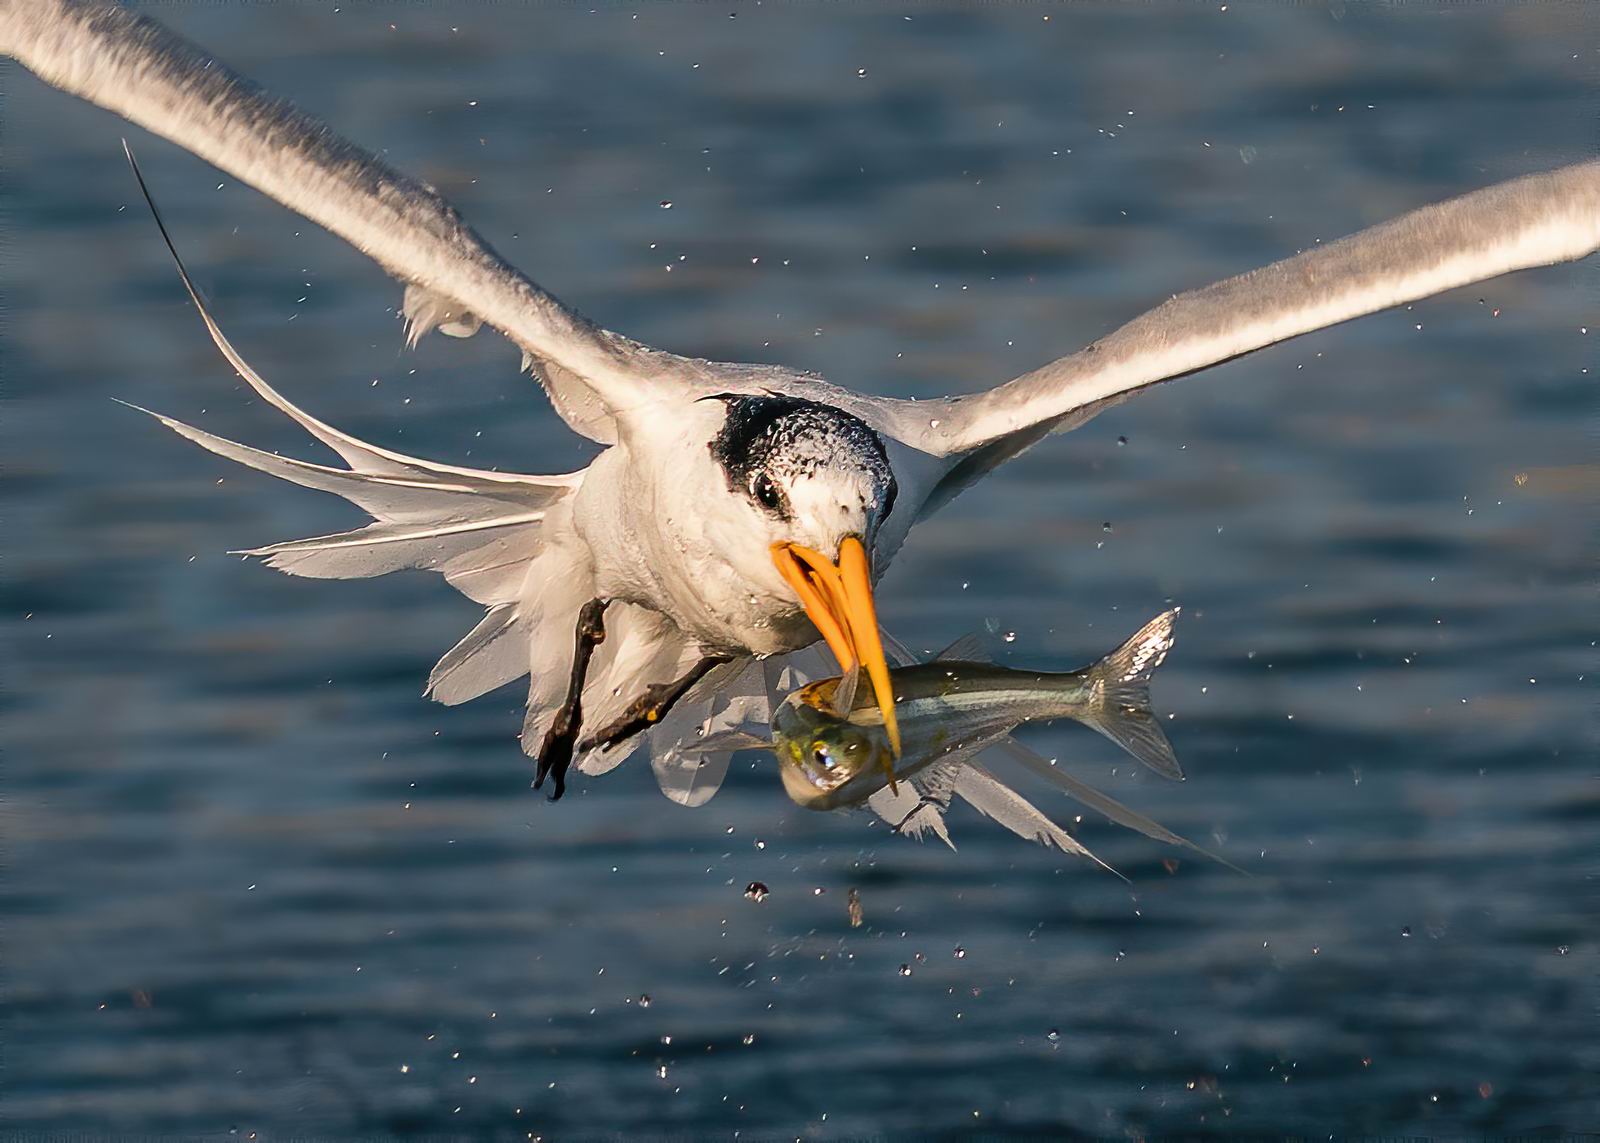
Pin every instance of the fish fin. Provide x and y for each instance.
(926, 817)
(843, 700)
(732, 740)
(1121, 708)
(898, 653)
(909, 814)
(967, 649)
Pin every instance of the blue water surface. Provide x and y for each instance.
(255, 882)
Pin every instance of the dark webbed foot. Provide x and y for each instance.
(650, 707)
(555, 752)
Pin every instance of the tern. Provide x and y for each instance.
(737, 512)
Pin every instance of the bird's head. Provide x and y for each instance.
(814, 484)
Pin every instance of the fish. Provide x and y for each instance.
(834, 751)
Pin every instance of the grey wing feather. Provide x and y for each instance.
(493, 653)
(1532, 221)
(1103, 803)
(135, 67)
(994, 799)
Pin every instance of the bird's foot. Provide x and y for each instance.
(649, 708)
(555, 752)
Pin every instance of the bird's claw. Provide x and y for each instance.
(649, 708)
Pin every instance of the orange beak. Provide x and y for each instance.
(838, 599)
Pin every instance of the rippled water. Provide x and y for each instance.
(255, 882)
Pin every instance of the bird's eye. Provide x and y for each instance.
(765, 491)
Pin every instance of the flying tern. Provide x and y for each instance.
(736, 512)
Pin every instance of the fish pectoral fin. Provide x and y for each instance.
(731, 740)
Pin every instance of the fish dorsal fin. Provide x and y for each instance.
(967, 649)
(844, 692)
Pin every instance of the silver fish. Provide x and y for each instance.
(954, 708)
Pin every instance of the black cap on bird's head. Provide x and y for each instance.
(822, 480)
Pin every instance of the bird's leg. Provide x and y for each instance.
(555, 752)
(652, 706)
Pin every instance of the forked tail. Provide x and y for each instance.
(1121, 687)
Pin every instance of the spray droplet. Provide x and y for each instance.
(756, 891)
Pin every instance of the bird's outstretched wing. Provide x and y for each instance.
(135, 67)
(1532, 221)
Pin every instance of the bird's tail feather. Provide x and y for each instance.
(483, 531)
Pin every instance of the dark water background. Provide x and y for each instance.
(254, 881)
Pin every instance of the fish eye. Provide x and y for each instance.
(765, 491)
(821, 756)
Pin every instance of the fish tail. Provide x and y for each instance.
(1120, 684)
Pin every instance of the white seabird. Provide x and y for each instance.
(737, 510)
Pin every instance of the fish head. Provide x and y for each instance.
(826, 760)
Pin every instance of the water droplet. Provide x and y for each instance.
(905, 970)
(1121, 441)
(1053, 1035)
(960, 953)
(861, 73)
(644, 1000)
(1405, 931)
(818, 891)
(1106, 527)
(756, 891)
(661, 1071)
(666, 1039)
(749, 1038)
(666, 204)
(760, 844)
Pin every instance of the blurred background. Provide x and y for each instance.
(255, 883)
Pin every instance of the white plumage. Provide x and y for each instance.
(678, 536)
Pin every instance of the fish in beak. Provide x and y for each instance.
(838, 599)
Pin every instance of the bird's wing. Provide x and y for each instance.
(138, 69)
(1532, 221)
(994, 799)
(1095, 800)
